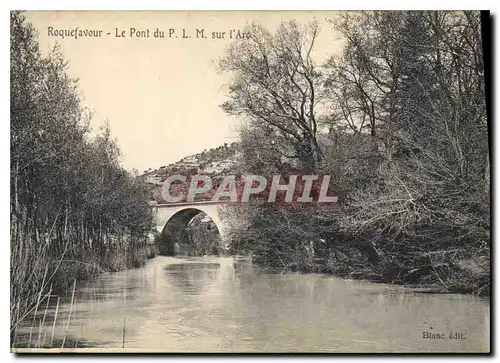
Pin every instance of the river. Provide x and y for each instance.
(219, 305)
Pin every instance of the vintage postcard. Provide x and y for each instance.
(250, 181)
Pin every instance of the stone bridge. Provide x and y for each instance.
(172, 219)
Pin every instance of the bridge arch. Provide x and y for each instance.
(172, 220)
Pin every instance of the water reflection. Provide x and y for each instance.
(191, 278)
(215, 304)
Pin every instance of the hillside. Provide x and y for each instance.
(215, 162)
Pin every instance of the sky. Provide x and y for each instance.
(161, 96)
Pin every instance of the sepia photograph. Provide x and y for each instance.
(250, 181)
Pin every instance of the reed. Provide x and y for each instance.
(41, 340)
(14, 340)
(54, 323)
(69, 315)
(36, 306)
(124, 330)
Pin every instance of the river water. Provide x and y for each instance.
(219, 305)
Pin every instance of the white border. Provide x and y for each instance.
(180, 5)
(253, 5)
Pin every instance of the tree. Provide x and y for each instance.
(74, 210)
(417, 79)
(277, 84)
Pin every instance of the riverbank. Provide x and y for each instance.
(461, 281)
(327, 240)
(369, 276)
(61, 276)
(74, 209)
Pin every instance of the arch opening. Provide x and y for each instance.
(190, 232)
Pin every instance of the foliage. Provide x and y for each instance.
(200, 238)
(74, 210)
(407, 145)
